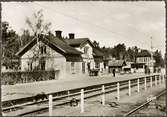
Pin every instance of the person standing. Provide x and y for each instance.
(113, 71)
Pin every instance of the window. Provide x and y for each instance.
(83, 67)
(31, 66)
(43, 49)
(86, 50)
(43, 64)
(28, 66)
(72, 67)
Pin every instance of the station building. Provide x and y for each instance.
(70, 57)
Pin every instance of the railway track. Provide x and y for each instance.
(145, 104)
(65, 98)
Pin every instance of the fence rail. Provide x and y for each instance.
(101, 89)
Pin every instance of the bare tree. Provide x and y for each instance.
(37, 27)
(36, 23)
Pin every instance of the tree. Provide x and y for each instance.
(37, 24)
(130, 54)
(25, 37)
(39, 28)
(136, 51)
(120, 51)
(159, 62)
(10, 43)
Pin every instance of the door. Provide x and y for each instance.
(83, 67)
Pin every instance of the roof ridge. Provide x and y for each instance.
(59, 44)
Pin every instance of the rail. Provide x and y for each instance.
(109, 87)
(144, 104)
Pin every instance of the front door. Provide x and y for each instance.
(83, 67)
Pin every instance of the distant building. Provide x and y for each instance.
(117, 65)
(144, 59)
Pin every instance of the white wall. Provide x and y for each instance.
(87, 58)
(54, 61)
(77, 68)
(148, 61)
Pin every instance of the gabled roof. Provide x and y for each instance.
(53, 42)
(144, 53)
(28, 46)
(78, 42)
(59, 43)
(117, 63)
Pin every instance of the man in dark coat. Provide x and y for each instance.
(113, 71)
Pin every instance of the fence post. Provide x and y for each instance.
(129, 88)
(50, 105)
(118, 95)
(103, 95)
(145, 83)
(150, 81)
(82, 100)
(138, 85)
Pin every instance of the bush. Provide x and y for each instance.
(11, 78)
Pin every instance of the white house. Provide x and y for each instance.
(50, 53)
(145, 58)
(92, 57)
(71, 57)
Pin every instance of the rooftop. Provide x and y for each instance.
(55, 43)
(144, 53)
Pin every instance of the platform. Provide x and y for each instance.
(11, 92)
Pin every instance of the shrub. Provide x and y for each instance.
(12, 78)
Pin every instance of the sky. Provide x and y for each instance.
(108, 22)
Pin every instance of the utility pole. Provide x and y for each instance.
(151, 61)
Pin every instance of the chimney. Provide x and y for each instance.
(58, 33)
(71, 35)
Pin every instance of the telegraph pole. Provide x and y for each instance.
(151, 61)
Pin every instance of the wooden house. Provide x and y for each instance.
(92, 56)
(48, 52)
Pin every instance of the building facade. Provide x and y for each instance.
(92, 57)
(146, 60)
(49, 52)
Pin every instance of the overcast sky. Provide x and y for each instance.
(107, 22)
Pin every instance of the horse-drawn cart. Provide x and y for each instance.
(94, 72)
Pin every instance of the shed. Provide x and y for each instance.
(116, 64)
